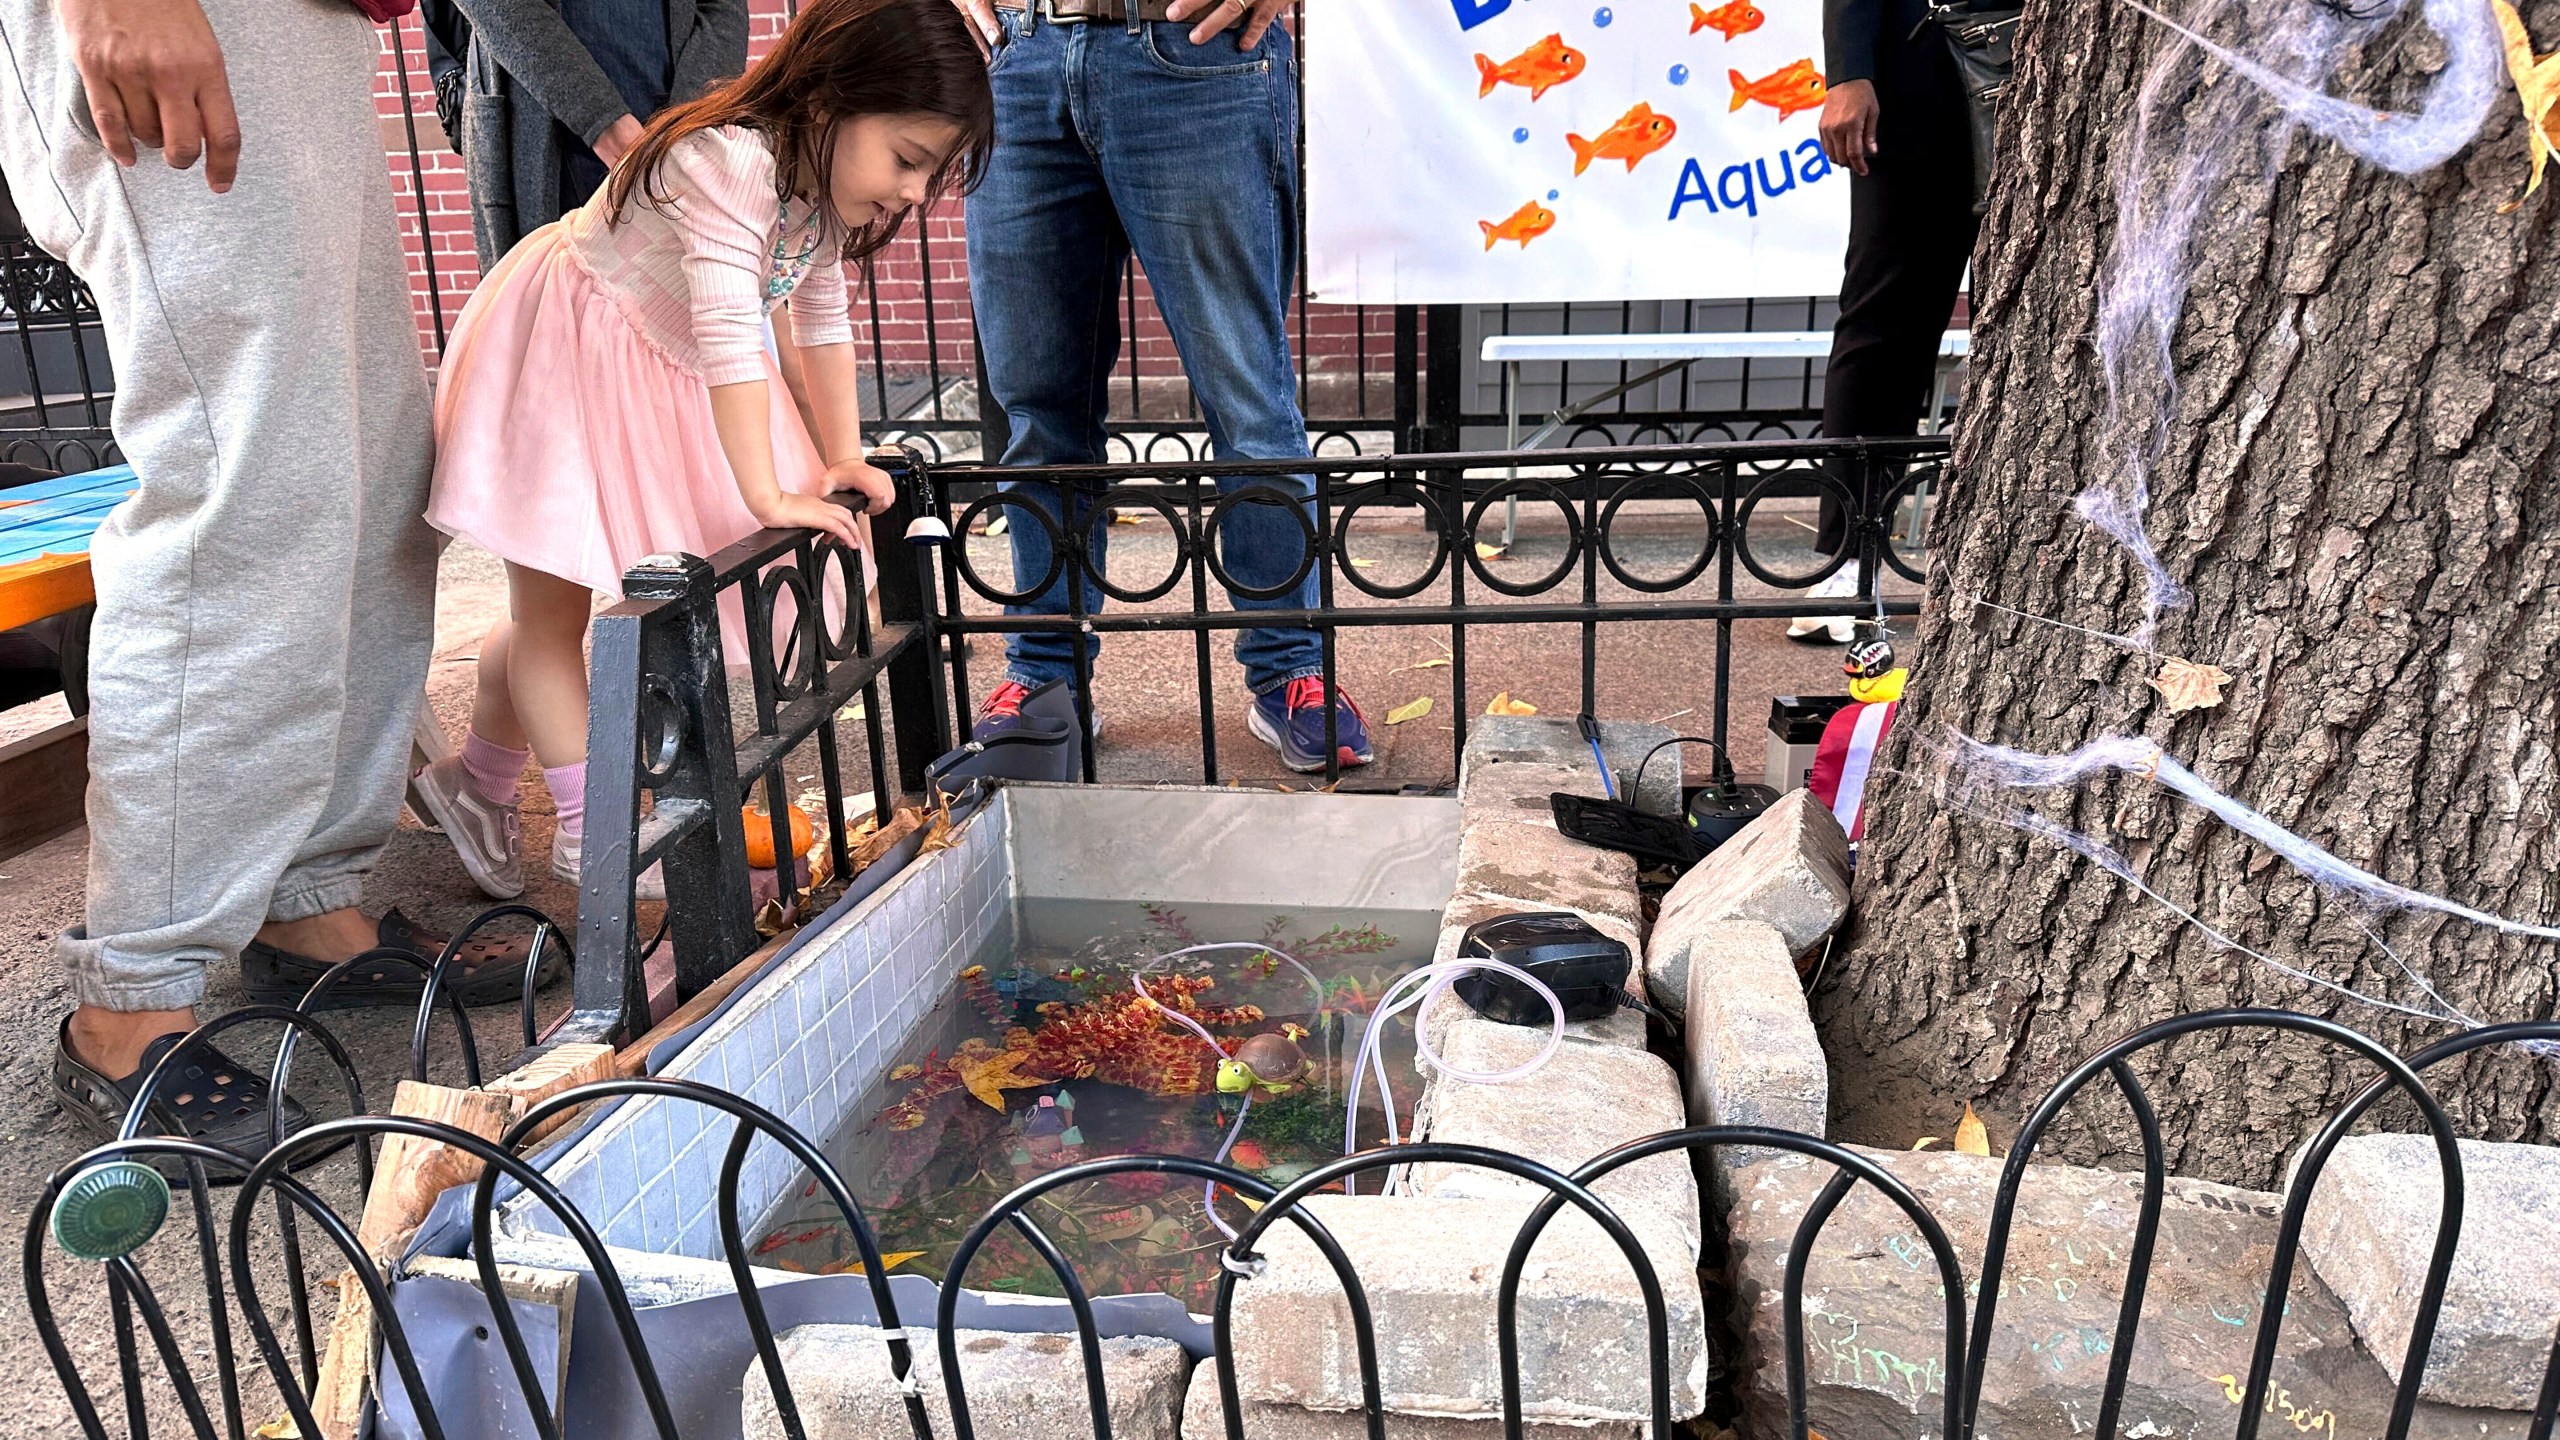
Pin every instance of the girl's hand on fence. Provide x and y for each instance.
(872, 482)
(154, 73)
(789, 511)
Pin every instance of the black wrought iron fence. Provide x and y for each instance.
(153, 1370)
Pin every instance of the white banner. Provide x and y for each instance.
(1522, 150)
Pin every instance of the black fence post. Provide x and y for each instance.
(1408, 378)
(710, 912)
(906, 598)
(1443, 370)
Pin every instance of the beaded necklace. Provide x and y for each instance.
(788, 267)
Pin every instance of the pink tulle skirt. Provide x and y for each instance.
(567, 443)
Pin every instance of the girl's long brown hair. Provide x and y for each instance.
(838, 60)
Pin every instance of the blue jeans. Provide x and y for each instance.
(1113, 137)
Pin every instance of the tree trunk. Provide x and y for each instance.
(2356, 481)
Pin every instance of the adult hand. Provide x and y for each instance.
(788, 510)
(1216, 16)
(983, 25)
(865, 478)
(154, 73)
(617, 140)
(1849, 124)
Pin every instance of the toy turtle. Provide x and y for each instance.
(1271, 1063)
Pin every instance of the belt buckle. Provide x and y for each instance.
(1048, 10)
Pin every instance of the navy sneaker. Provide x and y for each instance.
(1001, 712)
(1291, 721)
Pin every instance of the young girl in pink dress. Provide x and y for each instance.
(608, 395)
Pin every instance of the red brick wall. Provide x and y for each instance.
(911, 331)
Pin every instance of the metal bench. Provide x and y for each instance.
(1667, 355)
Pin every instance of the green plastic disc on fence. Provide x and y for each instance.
(110, 1210)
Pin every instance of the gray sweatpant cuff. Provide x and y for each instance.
(300, 900)
(101, 977)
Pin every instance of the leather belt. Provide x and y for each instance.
(1072, 12)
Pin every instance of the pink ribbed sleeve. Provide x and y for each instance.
(822, 307)
(725, 211)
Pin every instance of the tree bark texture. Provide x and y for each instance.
(2357, 482)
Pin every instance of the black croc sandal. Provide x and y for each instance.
(490, 972)
(206, 1095)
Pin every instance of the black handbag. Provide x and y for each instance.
(1981, 38)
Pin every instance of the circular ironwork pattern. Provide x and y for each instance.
(1380, 492)
(1294, 506)
(663, 729)
(1827, 488)
(1573, 541)
(1908, 489)
(795, 669)
(1015, 505)
(840, 643)
(1690, 483)
(1150, 497)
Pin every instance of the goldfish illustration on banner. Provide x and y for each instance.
(1538, 69)
(1740, 17)
(1524, 225)
(1638, 133)
(1797, 87)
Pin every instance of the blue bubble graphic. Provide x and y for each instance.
(1679, 74)
(1602, 16)
(1521, 134)
(1553, 194)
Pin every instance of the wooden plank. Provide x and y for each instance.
(45, 586)
(559, 1068)
(44, 785)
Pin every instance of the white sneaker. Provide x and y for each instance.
(483, 832)
(1828, 629)
(565, 852)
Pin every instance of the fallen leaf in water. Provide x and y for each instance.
(1503, 704)
(998, 525)
(2538, 86)
(1972, 1137)
(989, 1076)
(1410, 710)
(2189, 686)
(890, 1261)
(1489, 552)
(906, 1072)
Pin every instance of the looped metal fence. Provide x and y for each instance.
(143, 1315)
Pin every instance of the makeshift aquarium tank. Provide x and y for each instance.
(1086, 971)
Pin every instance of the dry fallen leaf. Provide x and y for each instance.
(1925, 1141)
(1489, 552)
(1434, 663)
(1129, 517)
(2189, 686)
(998, 525)
(1503, 704)
(855, 711)
(1972, 1138)
(1410, 710)
(2538, 86)
(1361, 562)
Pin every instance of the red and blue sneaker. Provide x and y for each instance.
(1001, 712)
(1291, 721)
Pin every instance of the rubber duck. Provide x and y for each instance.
(1873, 677)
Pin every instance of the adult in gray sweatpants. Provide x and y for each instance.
(265, 598)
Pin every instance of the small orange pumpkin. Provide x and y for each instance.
(760, 834)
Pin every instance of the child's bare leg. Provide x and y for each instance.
(547, 688)
(493, 705)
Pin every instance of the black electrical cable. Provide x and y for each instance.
(1724, 762)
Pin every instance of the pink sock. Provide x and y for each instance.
(493, 769)
(568, 795)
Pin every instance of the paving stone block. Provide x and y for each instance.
(1554, 745)
(2371, 1230)
(1788, 869)
(1020, 1387)
(1753, 1056)
(1585, 1101)
(1875, 1317)
(1431, 1270)
(1203, 1418)
(1540, 869)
